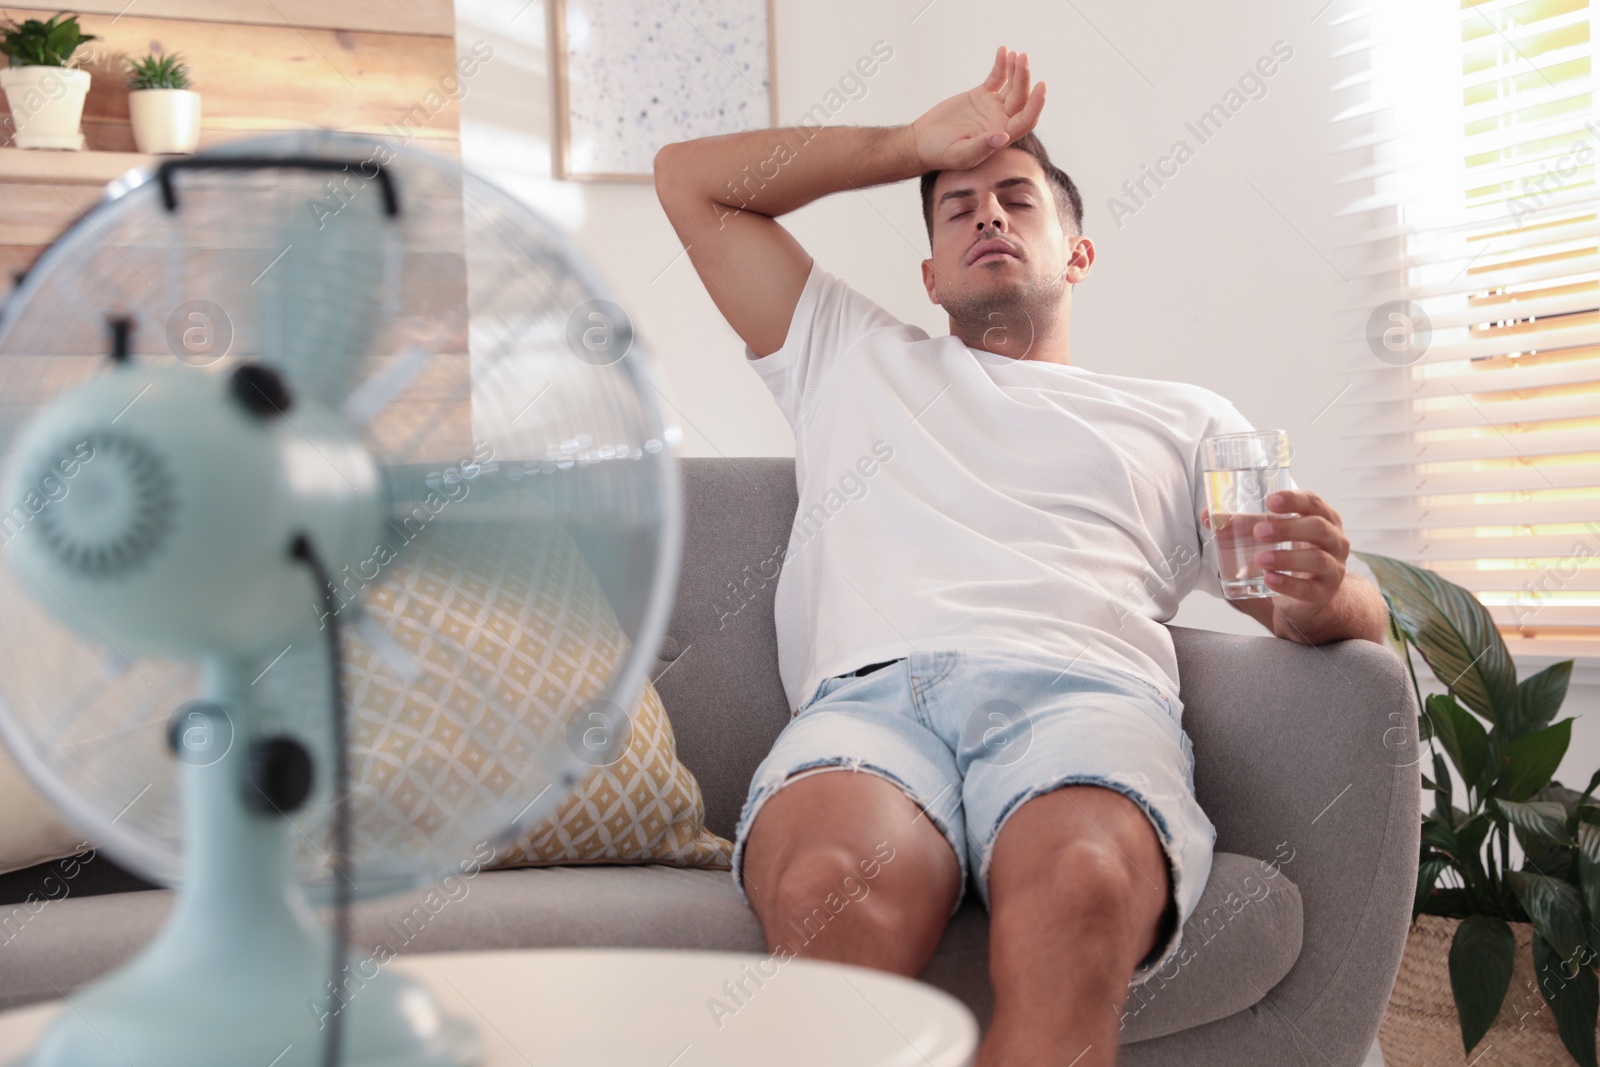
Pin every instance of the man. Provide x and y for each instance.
(970, 612)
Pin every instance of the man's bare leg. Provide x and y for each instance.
(1077, 888)
(814, 834)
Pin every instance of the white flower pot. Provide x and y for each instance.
(46, 105)
(165, 121)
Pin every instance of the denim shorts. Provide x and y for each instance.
(969, 736)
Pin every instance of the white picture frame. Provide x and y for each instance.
(630, 78)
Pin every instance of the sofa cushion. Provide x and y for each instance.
(1243, 938)
(1240, 942)
(644, 808)
(509, 619)
(30, 830)
(717, 667)
(515, 620)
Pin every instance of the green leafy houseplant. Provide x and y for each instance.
(1506, 771)
(156, 71)
(48, 43)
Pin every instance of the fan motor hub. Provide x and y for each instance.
(160, 512)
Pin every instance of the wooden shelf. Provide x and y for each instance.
(74, 168)
(91, 167)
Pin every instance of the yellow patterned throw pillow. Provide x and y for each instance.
(514, 617)
(644, 808)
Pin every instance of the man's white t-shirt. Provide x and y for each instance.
(951, 498)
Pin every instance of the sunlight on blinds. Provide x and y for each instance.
(1481, 432)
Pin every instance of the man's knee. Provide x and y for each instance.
(1088, 893)
(1089, 849)
(824, 896)
(1097, 880)
(1088, 840)
(821, 882)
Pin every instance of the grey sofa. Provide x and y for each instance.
(1306, 761)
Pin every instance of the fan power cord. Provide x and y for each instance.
(301, 549)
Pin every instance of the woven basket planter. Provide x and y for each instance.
(1421, 1029)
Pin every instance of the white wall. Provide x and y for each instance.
(1230, 275)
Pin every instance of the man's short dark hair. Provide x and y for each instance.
(1069, 204)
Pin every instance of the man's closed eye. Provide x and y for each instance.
(958, 214)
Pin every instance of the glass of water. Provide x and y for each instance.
(1241, 471)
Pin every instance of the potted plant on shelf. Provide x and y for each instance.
(43, 89)
(165, 111)
(1495, 955)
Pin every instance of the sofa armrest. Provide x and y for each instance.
(1308, 757)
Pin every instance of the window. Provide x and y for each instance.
(1473, 148)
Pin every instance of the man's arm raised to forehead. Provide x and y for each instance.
(723, 194)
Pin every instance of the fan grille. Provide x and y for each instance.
(493, 438)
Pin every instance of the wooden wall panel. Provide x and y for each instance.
(14, 260)
(255, 78)
(42, 193)
(36, 212)
(435, 17)
(384, 67)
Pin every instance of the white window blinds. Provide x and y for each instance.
(1471, 147)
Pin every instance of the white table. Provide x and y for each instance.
(627, 1007)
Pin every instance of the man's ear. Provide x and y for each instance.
(928, 277)
(1080, 260)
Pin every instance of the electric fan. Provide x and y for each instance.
(265, 478)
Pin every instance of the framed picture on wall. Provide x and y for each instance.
(631, 78)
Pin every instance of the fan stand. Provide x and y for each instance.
(239, 974)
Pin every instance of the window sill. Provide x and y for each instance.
(1532, 655)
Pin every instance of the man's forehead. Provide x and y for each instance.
(1013, 168)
